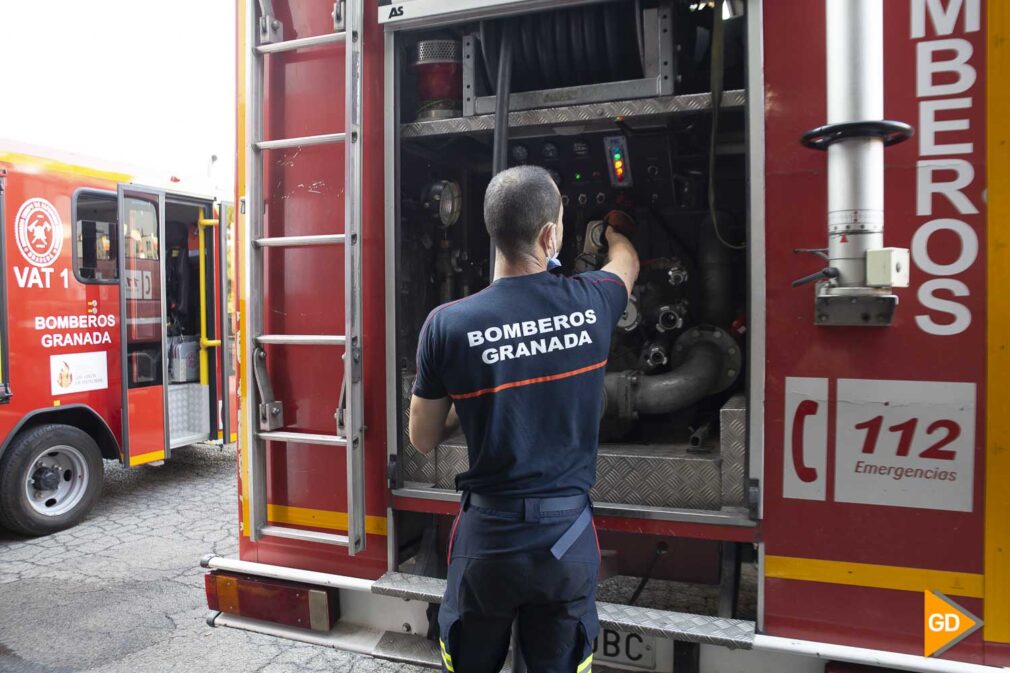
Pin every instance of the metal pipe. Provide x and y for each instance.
(862, 655)
(682, 387)
(855, 73)
(630, 393)
(301, 43)
(283, 573)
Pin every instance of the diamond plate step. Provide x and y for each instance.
(734, 633)
(407, 648)
(680, 626)
(630, 474)
(411, 587)
(658, 476)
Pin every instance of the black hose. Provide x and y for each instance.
(499, 156)
(715, 271)
(581, 45)
(661, 550)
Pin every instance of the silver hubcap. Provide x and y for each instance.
(57, 480)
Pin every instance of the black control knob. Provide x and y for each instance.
(583, 199)
(601, 197)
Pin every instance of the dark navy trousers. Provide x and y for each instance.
(501, 570)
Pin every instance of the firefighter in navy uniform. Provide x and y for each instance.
(520, 367)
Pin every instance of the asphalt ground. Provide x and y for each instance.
(123, 591)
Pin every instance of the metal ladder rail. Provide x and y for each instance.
(263, 36)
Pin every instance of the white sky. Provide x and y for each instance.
(144, 82)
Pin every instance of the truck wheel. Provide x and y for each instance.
(50, 477)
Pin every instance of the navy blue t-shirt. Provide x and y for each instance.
(523, 361)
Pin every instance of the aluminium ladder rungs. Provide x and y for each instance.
(301, 43)
(305, 535)
(300, 241)
(302, 141)
(301, 339)
(265, 35)
(303, 438)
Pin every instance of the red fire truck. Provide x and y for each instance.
(112, 332)
(803, 451)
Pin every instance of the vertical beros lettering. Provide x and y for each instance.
(944, 76)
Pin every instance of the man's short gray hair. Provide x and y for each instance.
(518, 203)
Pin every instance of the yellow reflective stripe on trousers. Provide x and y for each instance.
(446, 657)
(585, 666)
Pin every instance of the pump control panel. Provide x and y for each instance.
(618, 161)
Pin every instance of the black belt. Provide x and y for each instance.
(532, 508)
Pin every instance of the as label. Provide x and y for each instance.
(905, 444)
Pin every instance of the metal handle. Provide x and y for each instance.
(827, 272)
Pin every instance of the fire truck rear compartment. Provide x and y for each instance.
(673, 440)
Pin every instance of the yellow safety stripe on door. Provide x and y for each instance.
(321, 518)
(446, 657)
(586, 665)
(876, 576)
(996, 614)
(144, 458)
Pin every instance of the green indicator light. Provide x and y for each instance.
(578, 176)
(617, 155)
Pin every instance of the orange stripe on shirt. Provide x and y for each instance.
(528, 382)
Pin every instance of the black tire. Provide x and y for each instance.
(18, 465)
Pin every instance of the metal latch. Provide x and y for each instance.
(340, 414)
(338, 16)
(271, 412)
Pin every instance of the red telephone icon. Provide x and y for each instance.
(805, 408)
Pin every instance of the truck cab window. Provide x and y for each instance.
(97, 254)
(141, 230)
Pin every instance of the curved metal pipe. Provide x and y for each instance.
(630, 393)
(682, 387)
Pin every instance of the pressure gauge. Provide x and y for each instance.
(550, 152)
(444, 200)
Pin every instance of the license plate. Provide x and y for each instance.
(625, 649)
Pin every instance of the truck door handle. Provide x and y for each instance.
(805, 408)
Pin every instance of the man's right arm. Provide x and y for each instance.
(622, 259)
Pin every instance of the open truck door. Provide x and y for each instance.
(226, 220)
(142, 324)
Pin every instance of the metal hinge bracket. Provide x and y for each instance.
(271, 412)
(270, 29)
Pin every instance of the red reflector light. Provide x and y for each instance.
(289, 603)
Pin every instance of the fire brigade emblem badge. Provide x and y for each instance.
(39, 232)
